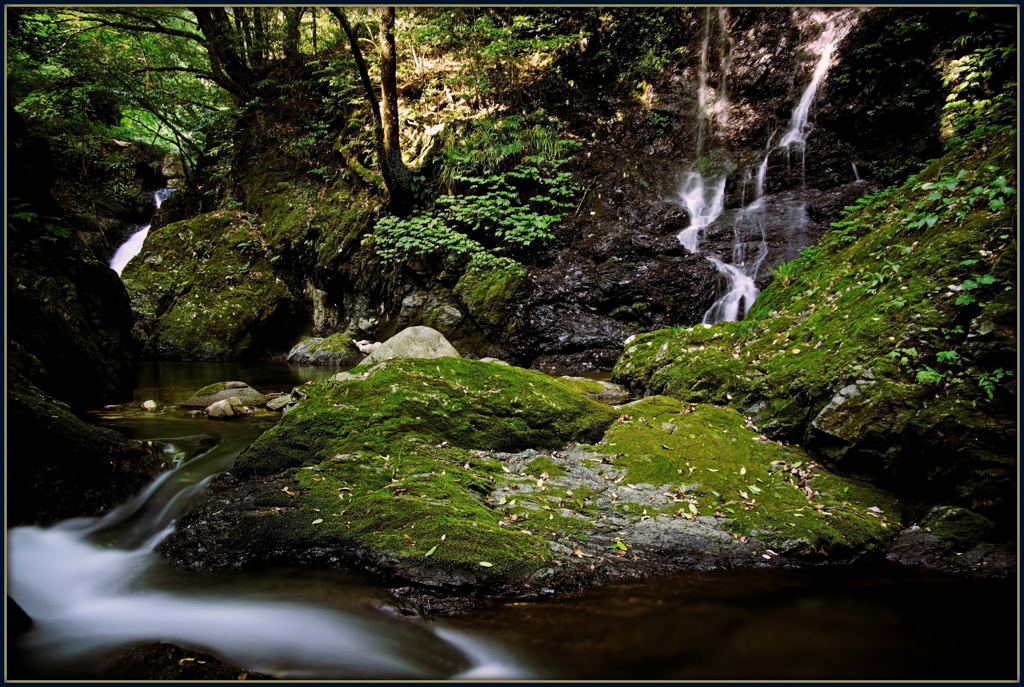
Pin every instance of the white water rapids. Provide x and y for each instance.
(130, 248)
(85, 584)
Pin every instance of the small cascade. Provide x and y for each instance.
(856, 174)
(86, 584)
(704, 200)
(133, 246)
(750, 246)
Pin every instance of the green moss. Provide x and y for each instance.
(581, 385)
(538, 466)
(401, 459)
(958, 527)
(713, 456)
(487, 294)
(204, 287)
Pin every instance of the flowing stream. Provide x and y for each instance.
(130, 248)
(704, 198)
(94, 587)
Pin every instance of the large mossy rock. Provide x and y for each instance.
(470, 476)
(414, 342)
(890, 349)
(221, 391)
(205, 289)
(336, 349)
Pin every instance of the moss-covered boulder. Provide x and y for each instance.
(469, 476)
(336, 349)
(221, 391)
(61, 466)
(205, 289)
(394, 466)
(888, 348)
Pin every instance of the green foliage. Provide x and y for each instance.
(927, 375)
(785, 272)
(987, 380)
(506, 192)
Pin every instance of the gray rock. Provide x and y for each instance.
(414, 342)
(280, 402)
(220, 391)
(347, 377)
(227, 408)
(493, 360)
(149, 405)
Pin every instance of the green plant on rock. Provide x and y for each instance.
(987, 380)
(927, 375)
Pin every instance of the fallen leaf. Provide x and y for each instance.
(744, 494)
(743, 471)
(185, 660)
(486, 564)
(876, 509)
(431, 552)
(754, 489)
(543, 475)
(693, 509)
(443, 537)
(505, 469)
(318, 521)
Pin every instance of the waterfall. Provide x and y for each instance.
(704, 197)
(856, 174)
(130, 248)
(750, 246)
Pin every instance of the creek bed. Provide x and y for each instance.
(94, 587)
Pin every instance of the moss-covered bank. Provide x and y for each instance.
(470, 476)
(890, 349)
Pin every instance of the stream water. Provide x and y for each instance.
(95, 587)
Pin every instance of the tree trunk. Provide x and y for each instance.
(399, 201)
(292, 23)
(228, 68)
(401, 191)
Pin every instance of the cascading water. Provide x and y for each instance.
(704, 198)
(750, 247)
(130, 248)
(87, 585)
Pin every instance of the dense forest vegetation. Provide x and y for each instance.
(795, 226)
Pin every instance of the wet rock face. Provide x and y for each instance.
(67, 310)
(63, 466)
